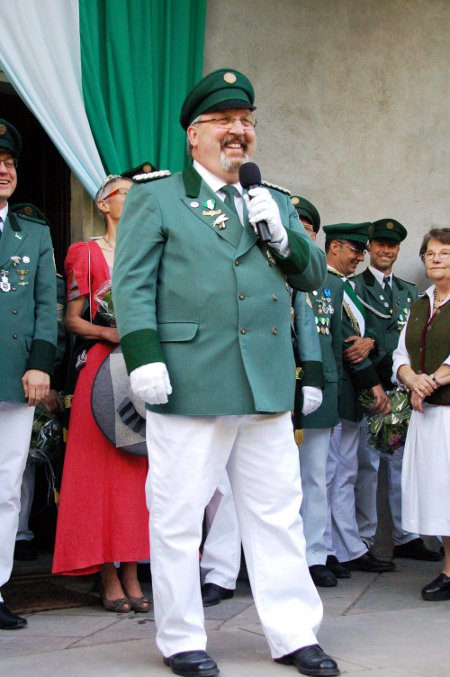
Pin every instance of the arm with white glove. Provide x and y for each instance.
(151, 383)
(312, 399)
(262, 207)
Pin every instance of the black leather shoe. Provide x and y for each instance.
(192, 664)
(338, 569)
(322, 577)
(416, 549)
(311, 660)
(213, 594)
(368, 562)
(438, 590)
(10, 620)
(25, 551)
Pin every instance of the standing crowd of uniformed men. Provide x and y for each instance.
(224, 336)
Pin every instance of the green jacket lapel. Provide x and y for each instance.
(11, 240)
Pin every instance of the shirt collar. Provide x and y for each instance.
(213, 181)
(379, 276)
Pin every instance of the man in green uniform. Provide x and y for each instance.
(345, 245)
(29, 328)
(326, 303)
(387, 300)
(203, 312)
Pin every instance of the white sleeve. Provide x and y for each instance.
(400, 356)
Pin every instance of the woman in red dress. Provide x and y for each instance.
(102, 517)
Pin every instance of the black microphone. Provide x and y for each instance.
(250, 177)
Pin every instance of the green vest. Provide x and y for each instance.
(427, 343)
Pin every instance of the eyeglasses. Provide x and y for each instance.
(10, 163)
(118, 191)
(443, 255)
(359, 251)
(227, 122)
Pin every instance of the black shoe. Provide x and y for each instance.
(25, 551)
(322, 577)
(438, 590)
(192, 664)
(338, 569)
(311, 660)
(10, 620)
(416, 549)
(213, 594)
(368, 562)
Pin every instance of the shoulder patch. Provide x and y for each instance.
(151, 176)
(274, 186)
(33, 219)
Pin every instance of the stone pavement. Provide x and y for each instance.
(374, 625)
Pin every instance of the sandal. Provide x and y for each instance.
(140, 605)
(118, 606)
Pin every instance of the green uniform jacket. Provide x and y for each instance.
(326, 304)
(207, 300)
(384, 330)
(355, 377)
(28, 310)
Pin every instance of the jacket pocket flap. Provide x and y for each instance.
(177, 331)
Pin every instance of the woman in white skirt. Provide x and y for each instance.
(422, 363)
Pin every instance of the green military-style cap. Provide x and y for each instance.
(307, 210)
(221, 89)
(387, 229)
(144, 168)
(30, 210)
(354, 232)
(10, 139)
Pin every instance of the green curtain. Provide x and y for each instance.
(139, 58)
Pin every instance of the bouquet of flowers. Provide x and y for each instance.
(103, 296)
(388, 433)
(46, 436)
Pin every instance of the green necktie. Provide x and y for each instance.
(230, 192)
(387, 290)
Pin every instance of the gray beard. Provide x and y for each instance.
(232, 165)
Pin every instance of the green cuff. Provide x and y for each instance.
(42, 356)
(298, 257)
(141, 347)
(365, 378)
(313, 374)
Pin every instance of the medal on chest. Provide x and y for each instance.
(4, 282)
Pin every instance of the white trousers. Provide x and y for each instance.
(221, 556)
(16, 421)
(342, 471)
(314, 508)
(24, 532)
(366, 491)
(188, 457)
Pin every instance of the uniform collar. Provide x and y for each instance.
(379, 276)
(214, 182)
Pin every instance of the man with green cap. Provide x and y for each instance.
(387, 300)
(29, 330)
(203, 312)
(345, 246)
(326, 304)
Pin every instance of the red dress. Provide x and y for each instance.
(102, 515)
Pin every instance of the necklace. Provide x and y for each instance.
(437, 302)
(108, 243)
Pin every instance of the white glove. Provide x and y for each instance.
(262, 207)
(151, 383)
(312, 399)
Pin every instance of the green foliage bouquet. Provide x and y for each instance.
(388, 433)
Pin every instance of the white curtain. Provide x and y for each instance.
(40, 54)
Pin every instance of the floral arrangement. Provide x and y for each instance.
(388, 433)
(103, 296)
(46, 436)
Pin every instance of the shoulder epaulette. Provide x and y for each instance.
(274, 186)
(151, 176)
(34, 219)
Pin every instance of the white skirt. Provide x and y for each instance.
(426, 473)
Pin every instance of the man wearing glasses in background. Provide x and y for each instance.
(203, 312)
(28, 319)
(345, 245)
